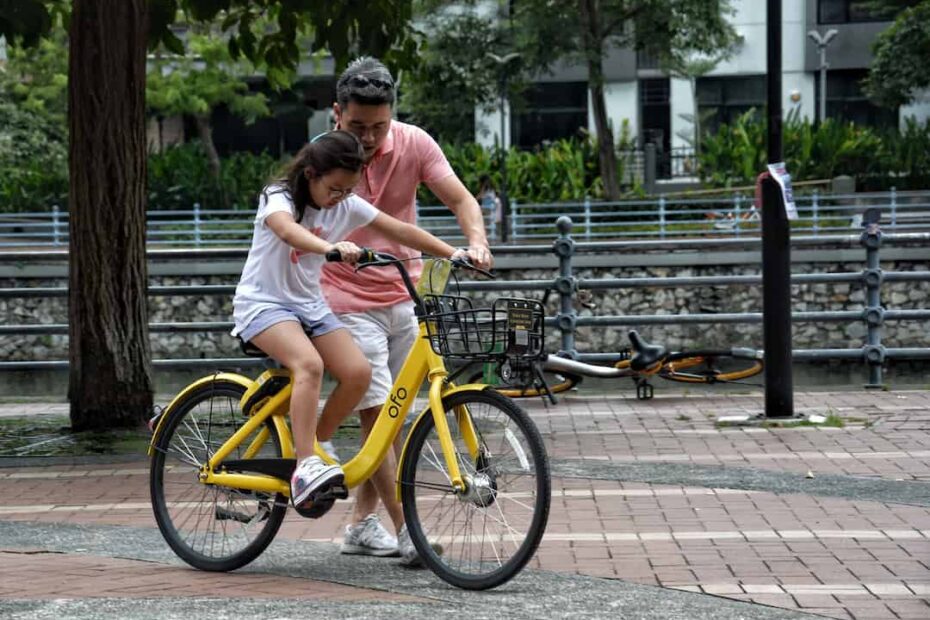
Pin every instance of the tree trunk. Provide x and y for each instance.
(205, 131)
(594, 53)
(110, 383)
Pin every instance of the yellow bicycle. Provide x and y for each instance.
(473, 475)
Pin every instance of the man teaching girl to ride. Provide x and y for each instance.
(359, 326)
(279, 305)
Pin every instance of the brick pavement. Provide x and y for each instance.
(836, 556)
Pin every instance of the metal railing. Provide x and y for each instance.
(566, 284)
(665, 217)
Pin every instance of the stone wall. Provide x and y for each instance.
(690, 300)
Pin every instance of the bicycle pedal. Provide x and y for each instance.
(321, 501)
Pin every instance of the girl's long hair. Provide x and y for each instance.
(326, 152)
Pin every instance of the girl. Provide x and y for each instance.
(279, 306)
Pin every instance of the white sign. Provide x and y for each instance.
(780, 173)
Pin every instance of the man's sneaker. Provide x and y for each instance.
(330, 449)
(310, 475)
(408, 553)
(369, 537)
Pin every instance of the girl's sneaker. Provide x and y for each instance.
(312, 475)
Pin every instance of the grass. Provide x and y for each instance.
(682, 417)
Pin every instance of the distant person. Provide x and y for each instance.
(489, 200)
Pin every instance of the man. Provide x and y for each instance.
(373, 303)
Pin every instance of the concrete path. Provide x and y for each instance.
(656, 513)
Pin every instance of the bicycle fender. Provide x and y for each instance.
(468, 387)
(220, 376)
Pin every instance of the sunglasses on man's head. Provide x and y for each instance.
(364, 80)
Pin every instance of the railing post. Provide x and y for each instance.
(587, 218)
(737, 207)
(56, 224)
(894, 208)
(564, 248)
(873, 314)
(661, 217)
(649, 168)
(197, 224)
(815, 210)
(514, 231)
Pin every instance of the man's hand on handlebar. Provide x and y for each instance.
(480, 256)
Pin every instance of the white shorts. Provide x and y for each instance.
(385, 336)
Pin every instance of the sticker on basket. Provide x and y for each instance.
(520, 323)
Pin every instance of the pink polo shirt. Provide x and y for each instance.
(408, 157)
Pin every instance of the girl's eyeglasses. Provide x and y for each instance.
(339, 194)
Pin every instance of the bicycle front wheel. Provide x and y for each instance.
(490, 531)
(709, 367)
(209, 527)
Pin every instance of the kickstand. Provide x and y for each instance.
(541, 381)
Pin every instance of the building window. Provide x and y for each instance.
(551, 111)
(851, 11)
(846, 101)
(730, 97)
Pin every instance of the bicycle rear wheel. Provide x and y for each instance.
(209, 527)
(709, 367)
(491, 530)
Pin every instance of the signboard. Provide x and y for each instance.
(780, 173)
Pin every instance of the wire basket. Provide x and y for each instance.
(509, 328)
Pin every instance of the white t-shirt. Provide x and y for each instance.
(275, 274)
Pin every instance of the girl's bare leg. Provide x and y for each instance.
(287, 343)
(348, 366)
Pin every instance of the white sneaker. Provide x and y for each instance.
(312, 474)
(369, 537)
(408, 553)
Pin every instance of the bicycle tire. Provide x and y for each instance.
(196, 519)
(512, 455)
(709, 367)
(558, 382)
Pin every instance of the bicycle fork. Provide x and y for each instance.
(437, 383)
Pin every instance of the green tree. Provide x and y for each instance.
(205, 77)
(36, 78)
(454, 74)
(110, 382)
(586, 29)
(900, 68)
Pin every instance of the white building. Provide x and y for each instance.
(651, 104)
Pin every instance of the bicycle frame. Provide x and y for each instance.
(422, 363)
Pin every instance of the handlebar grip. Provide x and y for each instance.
(334, 256)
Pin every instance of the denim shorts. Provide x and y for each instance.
(271, 316)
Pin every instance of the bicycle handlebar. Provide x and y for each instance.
(373, 258)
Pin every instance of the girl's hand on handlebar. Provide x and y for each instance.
(349, 252)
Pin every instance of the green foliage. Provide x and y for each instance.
(33, 160)
(180, 175)
(736, 154)
(37, 78)
(900, 68)
(205, 77)
(454, 75)
(563, 170)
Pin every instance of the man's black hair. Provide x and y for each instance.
(366, 81)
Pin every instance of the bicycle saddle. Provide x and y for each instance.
(644, 354)
(251, 350)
